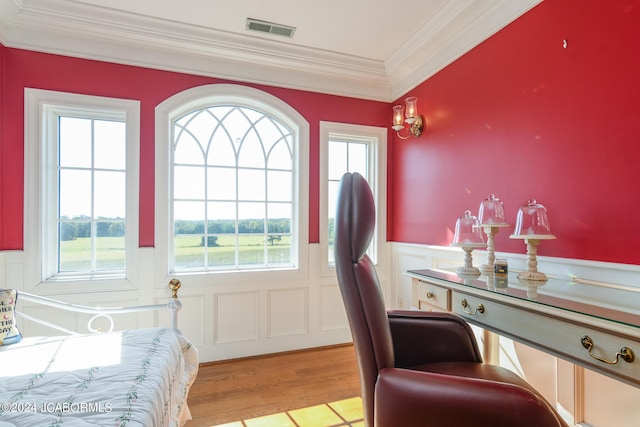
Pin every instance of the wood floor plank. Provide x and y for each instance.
(241, 389)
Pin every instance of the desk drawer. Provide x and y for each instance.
(427, 296)
(551, 334)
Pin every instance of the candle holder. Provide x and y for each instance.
(468, 237)
(532, 225)
(491, 219)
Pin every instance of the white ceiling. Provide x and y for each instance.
(370, 49)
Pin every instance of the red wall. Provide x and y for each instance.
(518, 116)
(2, 144)
(521, 116)
(36, 70)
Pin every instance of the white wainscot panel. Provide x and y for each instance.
(236, 317)
(65, 319)
(332, 313)
(407, 261)
(73, 321)
(288, 312)
(535, 366)
(609, 403)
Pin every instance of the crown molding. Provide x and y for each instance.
(455, 30)
(104, 34)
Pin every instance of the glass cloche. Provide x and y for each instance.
(467, 231)
(491, 212)
(532, 222)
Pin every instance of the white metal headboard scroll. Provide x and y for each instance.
(174, 305)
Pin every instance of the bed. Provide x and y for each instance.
(138, 377)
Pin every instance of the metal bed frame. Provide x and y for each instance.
(174, 305)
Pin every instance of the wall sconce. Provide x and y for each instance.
(412, 118)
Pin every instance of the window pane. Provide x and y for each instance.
(358, 158)
(251, 217)
(269, 132)
(75, 193)
(279, 249)
(251, 152)
(110, 144)
(251, 250)
(222, 150)
(110, 246)
(251, 212)
(224, 215)
(188, 252)
(199, 127)
(110, 194)
(188, 151)
(223, 252)
(189, 211)
(188, 182)
(237, 125)
(280, 186)
(221, 184)
(333, 198)
(251, 184)
(75, 254)
(279, 219)
(332, 204)
(280, 156)
(337, 159)
(75, 142)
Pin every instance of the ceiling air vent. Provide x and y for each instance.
(270, 27)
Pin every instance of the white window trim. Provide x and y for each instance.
(377, 180)
(37, 104)
(203, 96)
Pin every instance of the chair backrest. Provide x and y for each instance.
(359, 284)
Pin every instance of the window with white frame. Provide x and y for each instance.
(351, 148)
(236, 190)
(81, 167)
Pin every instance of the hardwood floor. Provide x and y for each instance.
(230, 392)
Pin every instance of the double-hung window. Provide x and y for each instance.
(351, 148)
(81, 167)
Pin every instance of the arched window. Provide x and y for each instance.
(235, 197)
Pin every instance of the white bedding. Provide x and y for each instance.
(131, 378)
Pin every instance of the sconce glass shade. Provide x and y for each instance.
(467, 232)
(491, 212)
(398, 117)
(412, 109)
(532, 222)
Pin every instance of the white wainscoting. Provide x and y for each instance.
(224, 316)
(234, 318)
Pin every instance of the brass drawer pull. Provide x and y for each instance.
(430, 295)
(625, 352)
(465, 308)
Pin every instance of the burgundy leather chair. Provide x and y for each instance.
(419, 368)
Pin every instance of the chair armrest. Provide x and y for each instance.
(415, 399)
(429, 337)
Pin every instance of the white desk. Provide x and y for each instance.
(592, 326)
